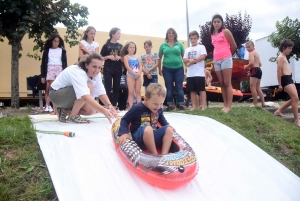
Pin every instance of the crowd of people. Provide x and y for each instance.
(114, 73)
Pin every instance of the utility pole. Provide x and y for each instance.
(187, 24)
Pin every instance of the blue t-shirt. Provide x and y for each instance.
(140, 115)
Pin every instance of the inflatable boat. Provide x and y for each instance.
(214, 94)
(162, 170)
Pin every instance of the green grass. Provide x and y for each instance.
(23, 173)
(277, 137)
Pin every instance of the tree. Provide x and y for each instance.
(239, 27)
(287, 29)
(205, 38)
(36, 18)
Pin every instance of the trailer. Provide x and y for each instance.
(269, 82)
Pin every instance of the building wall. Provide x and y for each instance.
(30, 67)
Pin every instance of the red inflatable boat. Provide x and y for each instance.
(162, 170)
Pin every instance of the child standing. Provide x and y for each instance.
(143, 119)
(255, 74)
(54, 60)
(87, 44)
(113, 64)
(193, 58)
(133, 66)
(224, 47)
(123, 92)
(285, 80)
(150, 64)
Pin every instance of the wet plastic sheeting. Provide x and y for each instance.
(87, 166)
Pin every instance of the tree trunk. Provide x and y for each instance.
(15, 99)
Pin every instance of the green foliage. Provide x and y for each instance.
(37, 18)
(23, 173)
(287, 29)
(240, 28)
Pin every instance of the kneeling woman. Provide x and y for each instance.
(75, 89)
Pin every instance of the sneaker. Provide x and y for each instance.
(62, 115)
(49, 108)
(45, 109)
(77, 119)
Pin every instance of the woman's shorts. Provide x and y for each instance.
(256, 72)
(53, 71)
(223, 64)
(195, 84)
(63, 98)
(158, 136)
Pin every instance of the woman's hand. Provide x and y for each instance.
(111, 57)
(117, 58)
(113, 111)
(108, 114)
(160, 72)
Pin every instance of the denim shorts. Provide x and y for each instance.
(223, 64)
(158, 136)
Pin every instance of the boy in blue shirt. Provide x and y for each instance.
(143, 119)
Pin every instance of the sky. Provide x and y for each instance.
(153, 18)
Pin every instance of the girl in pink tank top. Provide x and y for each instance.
(224, 47)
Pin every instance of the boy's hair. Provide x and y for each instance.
(212, 28)
(155, 89)
(194, 33)
(88, 60)
(174, 32)
(285, 43)
(148, 42)
(85, 36)
(250, 42)
(124, 50)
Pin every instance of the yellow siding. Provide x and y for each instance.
(29, 67)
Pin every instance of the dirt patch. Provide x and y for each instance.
(12, 112)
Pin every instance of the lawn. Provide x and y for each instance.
(24, 174)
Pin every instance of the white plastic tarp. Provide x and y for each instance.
(87, 166)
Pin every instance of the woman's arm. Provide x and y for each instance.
(231, 40)
(159, 64)
(96, 106)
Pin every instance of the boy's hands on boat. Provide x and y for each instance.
(123, 138)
